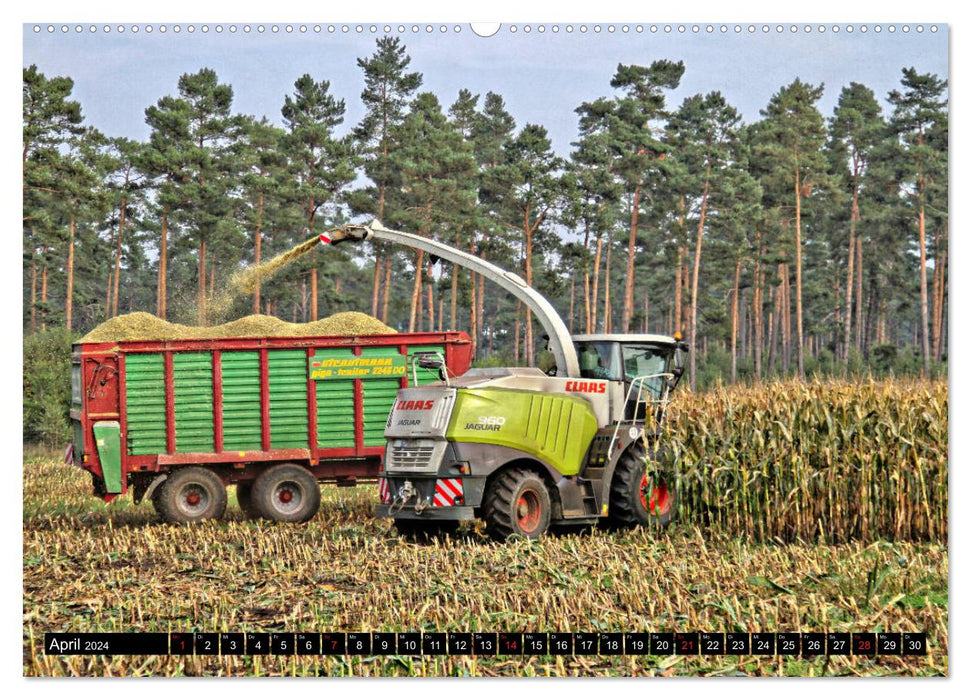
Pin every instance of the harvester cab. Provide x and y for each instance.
(521, 448)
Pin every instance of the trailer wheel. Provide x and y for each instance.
(287, 493)
(517, 503)
(425, 530)
(244, 497)
(639, 498)
(191, 495)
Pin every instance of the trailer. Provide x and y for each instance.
(178, 421)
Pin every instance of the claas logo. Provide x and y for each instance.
(415, 405)
(587, 387)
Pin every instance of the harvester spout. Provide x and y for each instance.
(561, 345)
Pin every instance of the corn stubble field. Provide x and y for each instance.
(804, 507)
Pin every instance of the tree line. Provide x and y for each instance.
(794, 244)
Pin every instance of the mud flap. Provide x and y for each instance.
(107, 436)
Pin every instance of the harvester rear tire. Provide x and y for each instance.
(517, 504)
(191, 495)
(244, 497)
(425, 530)
(638, 497)
(286, 493)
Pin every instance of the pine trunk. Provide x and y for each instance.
(163, 259)
(416, 291)
(109, 294)
(677, 294)
(608, 321)
(586, 280)
(202, 283)
(939, 303)
(799, 335)
(859, 294)
(313, 293)
(596, 284)
(738, 273)
(925, 345)
(480, 313)
(389, 258)
(519, 306)
(757, 305)
(431, 300)
(69, 296)
(694, 277)
(257, 252)
(43, 295)
(33, 290)
(773, 322)
(121, 233)
(530, 360)
(854, 217)
(573, 291)
(628, 309)
(473, 302)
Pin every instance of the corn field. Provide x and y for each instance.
(791, 519)
(827, 461)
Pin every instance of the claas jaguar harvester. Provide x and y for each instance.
(521, 448)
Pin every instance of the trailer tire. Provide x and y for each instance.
(425, 530)
(191, 495)
(286, 493)
(244, 497)
(517, 503)
(637, 497)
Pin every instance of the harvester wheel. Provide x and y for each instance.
(191, 495)
(425, 530)
(286, 492)
(637, 497)
(517, 503)
(244, 497)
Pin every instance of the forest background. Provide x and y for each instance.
(796, 242)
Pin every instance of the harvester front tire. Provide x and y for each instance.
(286, 493)
(638, 497)
(191, 495)
(517, 504)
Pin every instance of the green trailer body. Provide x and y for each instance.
(142, 410)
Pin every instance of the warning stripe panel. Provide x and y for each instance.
(447, 492)
(384, 491)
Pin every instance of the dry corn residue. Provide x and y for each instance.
(145, 326)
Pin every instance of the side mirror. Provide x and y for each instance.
(433, 362)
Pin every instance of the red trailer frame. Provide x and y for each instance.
(103, 386)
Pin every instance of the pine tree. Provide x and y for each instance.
(704, 136)
(388, 88)
(795, 133)
(856, 129)
(264, 179)
(917, 109)
(530, 181)
(638, 150)
(437, 178)
(322, 165)
(600, 191)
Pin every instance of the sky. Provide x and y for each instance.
(543, 75)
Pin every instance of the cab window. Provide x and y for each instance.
(645, 361)
(599, 361)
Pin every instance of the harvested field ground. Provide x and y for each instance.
(89, 567)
